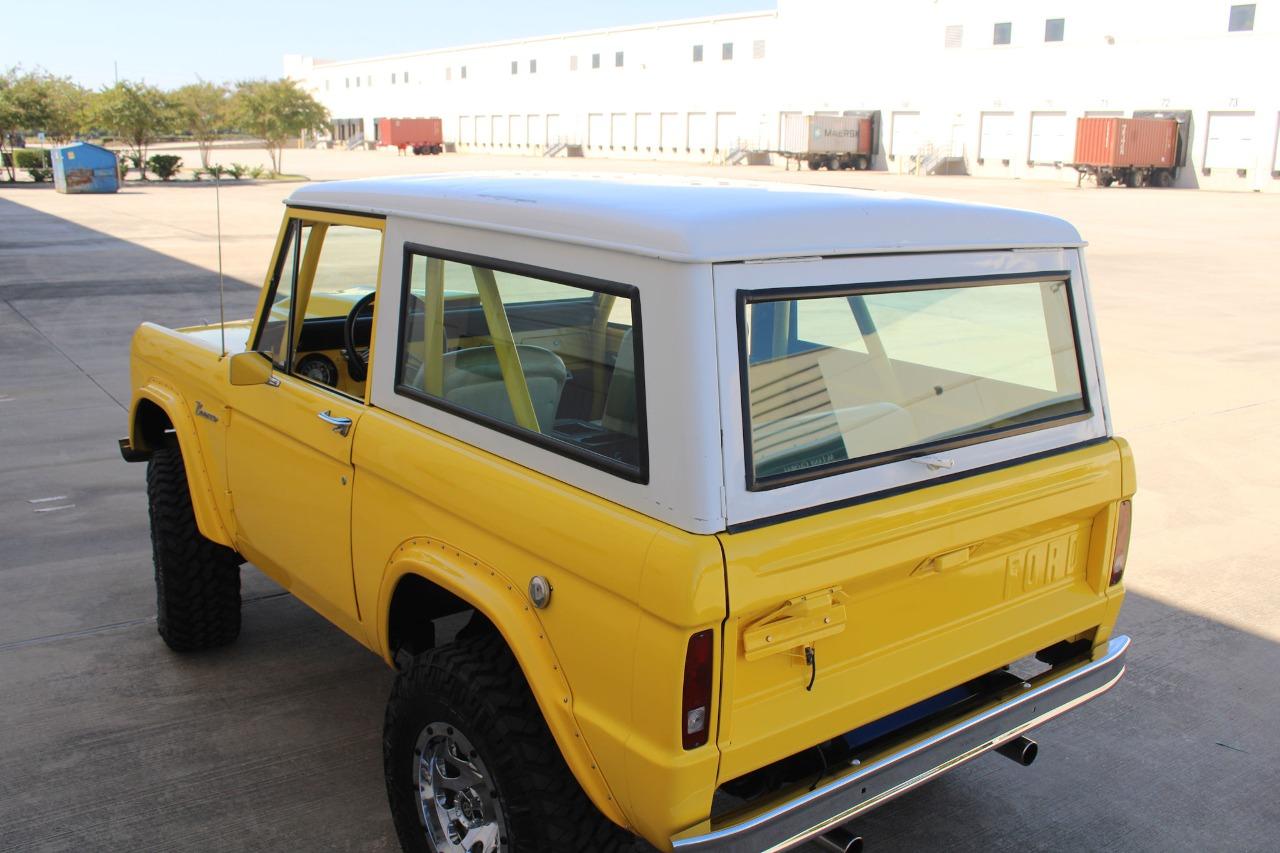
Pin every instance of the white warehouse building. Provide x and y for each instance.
(989, 87)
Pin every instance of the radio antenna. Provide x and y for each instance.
(222, 312)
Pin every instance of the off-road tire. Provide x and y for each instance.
(197, 580)
(477, 685)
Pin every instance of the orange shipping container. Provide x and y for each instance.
(409, 131)
(1126, 142)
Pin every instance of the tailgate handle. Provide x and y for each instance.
(942, 562)
(797, 623)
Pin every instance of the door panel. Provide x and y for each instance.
(289, 439)
(290, 475)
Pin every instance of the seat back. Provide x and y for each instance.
(473, 380)
(620, 401)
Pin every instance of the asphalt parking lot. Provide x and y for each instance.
(110, 742)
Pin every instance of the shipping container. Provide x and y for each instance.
(837, 142)
(421, 135)
(85, 168)
(1132, 151)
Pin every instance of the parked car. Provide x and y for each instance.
(759, 504)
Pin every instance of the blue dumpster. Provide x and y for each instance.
(85, 168)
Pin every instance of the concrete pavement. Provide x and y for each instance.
(112, 743)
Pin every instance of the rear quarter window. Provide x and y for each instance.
(547, 357)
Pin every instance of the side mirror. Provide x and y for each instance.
(249, 368)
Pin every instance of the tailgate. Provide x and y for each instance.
(907, 596)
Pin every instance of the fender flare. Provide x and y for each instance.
(504, 603)
(208, 519)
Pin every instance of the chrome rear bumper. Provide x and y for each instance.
(782, 825)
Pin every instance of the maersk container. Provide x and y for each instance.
(1126, 142)
(832, 142)
(826, 134)
(423, 135)
(85, 168)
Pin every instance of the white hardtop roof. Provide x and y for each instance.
(694, 220)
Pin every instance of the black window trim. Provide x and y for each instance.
(293, 239)
(640, 472)
(292, 249)
(747, 297)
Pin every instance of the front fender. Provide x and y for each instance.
(175, 407)
(505, 604)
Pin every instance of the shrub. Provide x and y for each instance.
(238, 170)
(122, 163)
(217, 170)
(38, 162)
(33, 158)
(257, 172)
(165, 165)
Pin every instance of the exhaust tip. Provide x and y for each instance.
(1022, 750)
(840, 840)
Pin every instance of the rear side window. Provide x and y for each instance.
(551, 358)
(836, 380)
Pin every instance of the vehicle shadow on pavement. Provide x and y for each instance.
(111, 742)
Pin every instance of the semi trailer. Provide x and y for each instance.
(837, 142)
(1133, 152)
(420, 135)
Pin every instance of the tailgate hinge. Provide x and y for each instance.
(797, 623)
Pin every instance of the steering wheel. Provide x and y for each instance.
(357, 357)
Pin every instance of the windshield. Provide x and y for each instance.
(843, 379)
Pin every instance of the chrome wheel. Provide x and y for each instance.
(458, 804)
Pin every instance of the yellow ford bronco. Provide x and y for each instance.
(714, 513)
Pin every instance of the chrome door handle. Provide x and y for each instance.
(340, 425)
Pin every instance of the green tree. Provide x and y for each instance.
(67, 108)
(201, 109)
(10, 117)
(276, 111)
(22, 108)
(137, 113)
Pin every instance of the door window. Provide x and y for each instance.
(326, 272)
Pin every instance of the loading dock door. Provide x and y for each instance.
(671, 138)
(515, 129)
(699, 133)
(1049, 138)
(1230, 141)
(534, 130)
(726, 132)
(466, 130)
(646, 132)
(904, 134)
(482, 130)
(618, 126)
(1275, 163)
(996, 142)
(499, 130)
(597, 130)
(553, 128)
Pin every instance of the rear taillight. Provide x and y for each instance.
(1124, 520)
(695, 716)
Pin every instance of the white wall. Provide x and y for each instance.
(836, 55)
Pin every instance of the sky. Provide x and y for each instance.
(171, 44)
